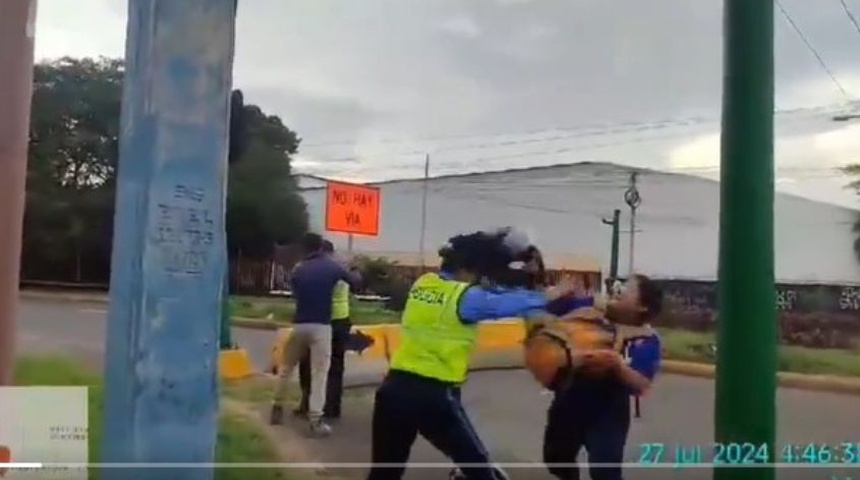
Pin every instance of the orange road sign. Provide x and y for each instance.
(352, 208)
(5, 457)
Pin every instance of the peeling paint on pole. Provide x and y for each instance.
(169, 242)
(31, 20)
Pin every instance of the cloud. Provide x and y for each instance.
(800, 161)
(701, 153)
(80, 28)
(824, 150)
(365, 71)
(461, 25)
(821, 90)
(515, 2)
(839, 146)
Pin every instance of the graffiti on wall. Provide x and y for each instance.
(696, 297)
(817, 316)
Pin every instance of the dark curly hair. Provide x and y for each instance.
(490, 255)
(650, 297)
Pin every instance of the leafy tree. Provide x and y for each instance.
(70, 178)
(71, 174)
(263, 206)
(853, 171)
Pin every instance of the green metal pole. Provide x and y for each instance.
(616, 227)
(745, 410)
(226, 338)
(613, 255)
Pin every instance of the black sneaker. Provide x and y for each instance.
(331, 418)
(456, 474)
(276, 417)
(300, 413)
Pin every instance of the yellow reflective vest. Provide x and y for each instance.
(434, 343)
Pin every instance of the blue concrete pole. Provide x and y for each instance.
(161, 361)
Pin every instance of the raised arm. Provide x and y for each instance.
(350, 276)
(293, 275)
(568, 303)
(479, 304)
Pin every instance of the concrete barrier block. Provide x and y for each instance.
(235, 364)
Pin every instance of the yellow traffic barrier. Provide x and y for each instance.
(500, 335)
(234, 364)
(496, 336)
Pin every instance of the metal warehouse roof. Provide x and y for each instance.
(677, 223)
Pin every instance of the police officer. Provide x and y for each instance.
(421, 392)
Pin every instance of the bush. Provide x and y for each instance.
(397, 292)
(812, 330)
(375, 273)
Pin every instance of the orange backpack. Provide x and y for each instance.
(549, 345)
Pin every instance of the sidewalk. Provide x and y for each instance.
(508, 410)
(351, 440)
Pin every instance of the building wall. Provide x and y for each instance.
(677, 223)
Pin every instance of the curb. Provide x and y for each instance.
(795, 381)
(241, 322)
(501, 353)
(63, 297)
(798, 381)
(256, 323)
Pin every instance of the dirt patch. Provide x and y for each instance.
(348, 444)
(289, 446)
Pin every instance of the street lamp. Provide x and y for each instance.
(845, 117)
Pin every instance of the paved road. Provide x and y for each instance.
(79, 329)
(509, 410)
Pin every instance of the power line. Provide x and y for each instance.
(595, 128)
(502, 196)
(813, 50)
(797, 114)
(599, 127)
(850, 15)
(487, 161)
(616, 178)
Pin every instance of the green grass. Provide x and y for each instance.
(693, 347)
(678, 344)
(239, 439)
(282, 309)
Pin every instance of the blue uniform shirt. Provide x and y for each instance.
(479, 304)
(643, 354)
(566, 304)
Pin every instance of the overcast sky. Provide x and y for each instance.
(371, 86)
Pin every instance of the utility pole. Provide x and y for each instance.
(745, 411)
(17, 31)
(237, 143)
(169, 245)
(613, 256)
(633, 200)
(424, 186)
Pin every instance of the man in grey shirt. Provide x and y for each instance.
(313, 282)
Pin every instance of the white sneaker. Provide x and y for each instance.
(319, 428)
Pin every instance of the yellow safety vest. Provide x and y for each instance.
(340, 301)
(434, 343)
